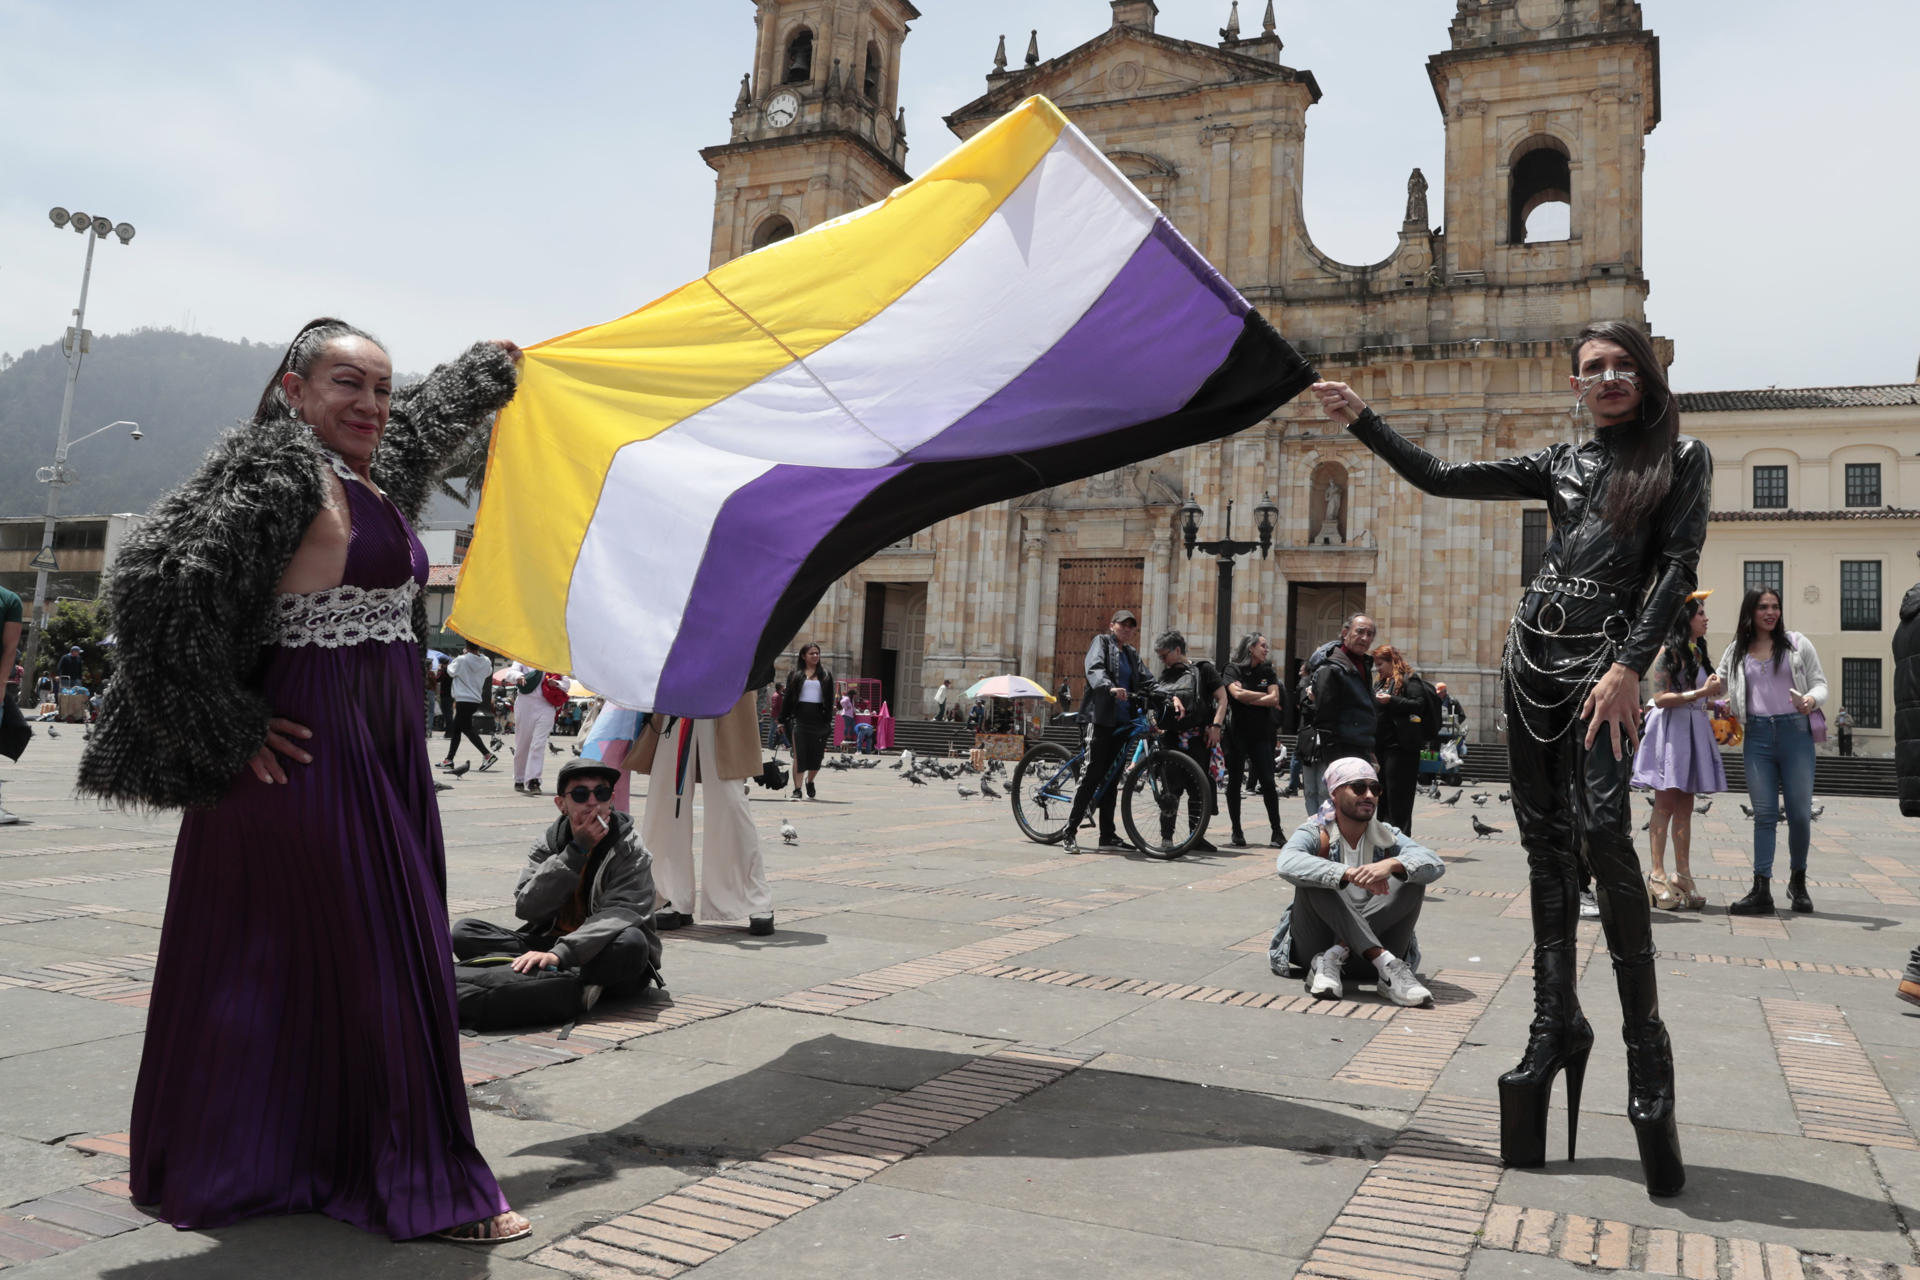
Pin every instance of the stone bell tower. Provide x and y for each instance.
(1546, 102)
(817, 129)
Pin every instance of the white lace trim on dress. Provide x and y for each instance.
(345, 615)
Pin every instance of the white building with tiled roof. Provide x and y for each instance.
(1816, 492)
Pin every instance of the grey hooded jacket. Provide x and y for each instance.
(621, 894)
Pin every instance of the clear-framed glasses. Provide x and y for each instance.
(1588, 381)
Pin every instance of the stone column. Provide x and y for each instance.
(1163, 563)
(1219, 195)
(1034, 545)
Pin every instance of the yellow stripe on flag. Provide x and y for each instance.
(585, 395)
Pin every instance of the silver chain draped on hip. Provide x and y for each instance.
(1577, 675)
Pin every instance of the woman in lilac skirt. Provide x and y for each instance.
(302, 1052)
(1678, 757)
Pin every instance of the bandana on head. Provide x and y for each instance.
(1349, 769)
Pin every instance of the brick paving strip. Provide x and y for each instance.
(834, 997)
(1785, 966)
(98, 877)
(482, 1060)
(1416, 1214)
(1413, 1052)
(64, 1220)
(689, 1225)
(1197, 992)
(1771, 927)
(1662, 1251)
(45, 850)
(54, 912)
(1836, 1092)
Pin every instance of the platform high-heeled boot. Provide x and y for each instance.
(1650, 1094)
(1561, 1038)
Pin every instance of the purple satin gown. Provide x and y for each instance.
(302, 1049)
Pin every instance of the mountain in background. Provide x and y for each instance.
(184, 389)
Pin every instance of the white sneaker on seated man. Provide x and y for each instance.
(1358, 888)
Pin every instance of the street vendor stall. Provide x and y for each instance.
(1003, 732)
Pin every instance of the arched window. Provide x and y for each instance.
(773, 229)
(1540, 178)
(871, 84)
(799, 65)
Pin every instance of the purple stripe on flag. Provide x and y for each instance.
(762, 535)
(1162, 327)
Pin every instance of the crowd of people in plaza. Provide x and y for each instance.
(286, 573)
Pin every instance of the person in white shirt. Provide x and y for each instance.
(1358, 888)
(533, 715)
(470, 672)
(807, 707)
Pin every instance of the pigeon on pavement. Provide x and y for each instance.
(788, 833)
(1815, 814)
(916, 780)
(966, 792)
(1452, 799)
(1746, 811)
(1481, 830)
(986, 789)
(460, 770)
(1704, 805)
(1479, 798)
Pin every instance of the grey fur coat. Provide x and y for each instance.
(194, 588)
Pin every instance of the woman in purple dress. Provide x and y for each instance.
(302, 1052)
(1678, 757)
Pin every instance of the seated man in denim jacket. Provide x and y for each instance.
(1359, 885)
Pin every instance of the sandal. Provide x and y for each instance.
(1660, 891)
(498, 1229)
(1687, 898)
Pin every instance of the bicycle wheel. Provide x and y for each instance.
(1043, 785)
(1169, 792)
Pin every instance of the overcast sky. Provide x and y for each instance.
(440, 172)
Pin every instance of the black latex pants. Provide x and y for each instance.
(1570, 801)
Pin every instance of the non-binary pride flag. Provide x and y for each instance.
(670, 494)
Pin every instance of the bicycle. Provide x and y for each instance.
(1151, 778)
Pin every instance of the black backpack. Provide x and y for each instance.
(492, 997)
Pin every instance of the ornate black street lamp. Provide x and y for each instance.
(1226, 549)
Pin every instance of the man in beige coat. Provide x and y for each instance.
(719, 754)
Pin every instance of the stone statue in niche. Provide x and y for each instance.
(1417, 198)
(1329, 484)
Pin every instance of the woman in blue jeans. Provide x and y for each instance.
(1774, 682)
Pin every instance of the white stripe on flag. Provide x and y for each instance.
(1002, 300)
(637, 562)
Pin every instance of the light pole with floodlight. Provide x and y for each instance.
(78, 342)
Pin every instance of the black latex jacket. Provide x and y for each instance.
(1663, 550)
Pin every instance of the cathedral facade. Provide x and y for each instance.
(1459, 334)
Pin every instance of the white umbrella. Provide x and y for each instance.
(1007, 687)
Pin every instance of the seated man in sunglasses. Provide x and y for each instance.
(1358, 887)
(586, 895)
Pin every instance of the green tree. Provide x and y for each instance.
(86, 623)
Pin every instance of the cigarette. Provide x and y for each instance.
(600, 822)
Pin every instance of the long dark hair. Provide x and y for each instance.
(1644, 471)
(1686, 657)
(301, 353)
(1748, 630)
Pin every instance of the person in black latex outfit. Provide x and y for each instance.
(1629, 513)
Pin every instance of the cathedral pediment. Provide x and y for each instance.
(1120, 64)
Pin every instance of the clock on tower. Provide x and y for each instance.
(817, 128)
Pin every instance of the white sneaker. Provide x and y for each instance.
(1589, 906)
(1323, 975)
(1401, 986)
(8, 819)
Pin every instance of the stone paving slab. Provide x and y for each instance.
(879, 1088)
